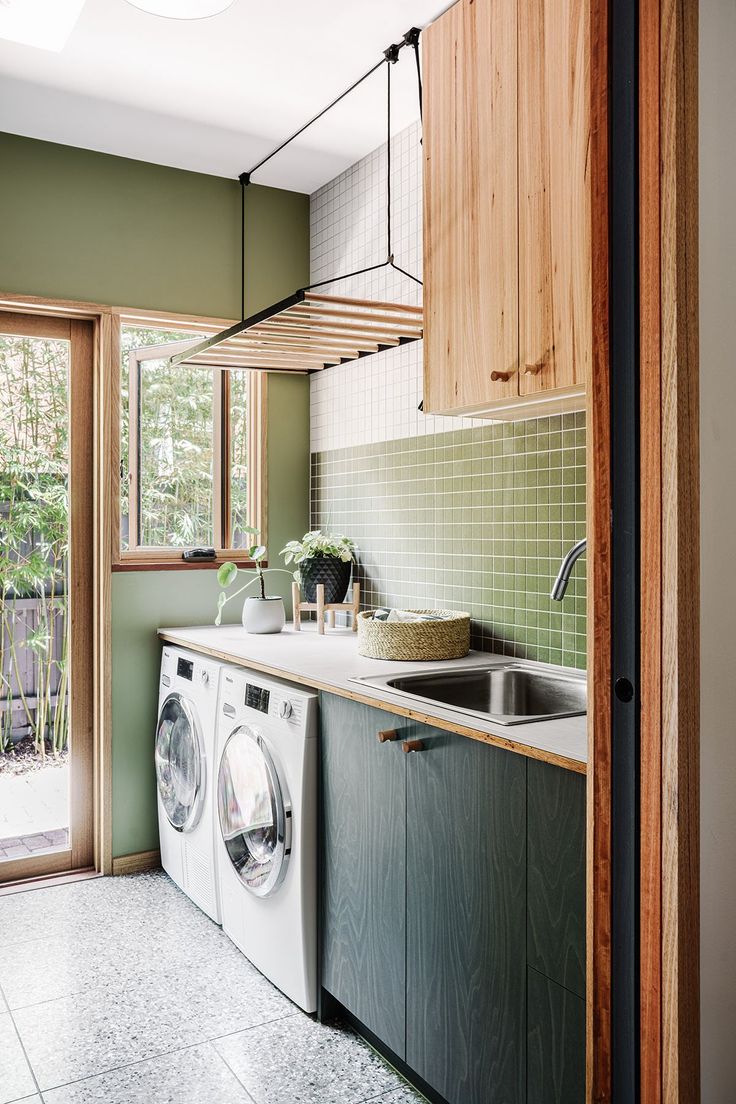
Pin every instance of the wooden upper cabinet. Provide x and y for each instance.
(471, 249)
(506, 206)
(554, 194)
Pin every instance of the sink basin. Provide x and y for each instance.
(508, 694)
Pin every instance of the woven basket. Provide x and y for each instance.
(415, 640)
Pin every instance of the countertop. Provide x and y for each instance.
(329, 663)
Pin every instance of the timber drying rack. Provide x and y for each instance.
(310, 331)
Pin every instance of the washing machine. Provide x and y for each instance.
(185, 773)
(266, 831)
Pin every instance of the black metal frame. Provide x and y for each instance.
(625, 557)
(390, 57)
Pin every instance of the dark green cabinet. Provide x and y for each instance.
(555, 1043)
(466, 907)
(364, 867)
(556, 880)
(453, 906)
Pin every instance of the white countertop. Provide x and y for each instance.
(331, 661)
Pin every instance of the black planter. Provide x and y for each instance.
(334, 573)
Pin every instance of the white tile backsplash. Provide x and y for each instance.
(375, 398)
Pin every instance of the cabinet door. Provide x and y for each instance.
(470, 206)
(556, 879)
(466, 952)
(364, 866)
(555, 1043)
(555, 329)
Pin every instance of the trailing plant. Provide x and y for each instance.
(228, 573)
(315, 544)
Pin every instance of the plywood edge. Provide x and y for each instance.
(388, 707)
(138, 863)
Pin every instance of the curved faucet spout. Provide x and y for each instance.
(563, 575)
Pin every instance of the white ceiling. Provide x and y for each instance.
(215, 95)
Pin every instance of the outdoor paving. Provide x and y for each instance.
(34, 809)
(15, 847)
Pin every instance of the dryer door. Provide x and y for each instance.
(180, 765)
(254, 812)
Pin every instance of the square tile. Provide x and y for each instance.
(299, 1061)
(16, 1079)
(194, 1076)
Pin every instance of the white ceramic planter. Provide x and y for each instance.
(264, 615)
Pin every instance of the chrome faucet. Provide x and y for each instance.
(563, 575)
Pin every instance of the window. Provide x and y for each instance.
(190, 450)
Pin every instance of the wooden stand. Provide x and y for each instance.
(320, 607)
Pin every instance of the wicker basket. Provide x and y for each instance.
(415, 640)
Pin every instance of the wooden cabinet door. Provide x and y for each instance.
(555, 338)
(555, 1043)
(364, 866)
(556, 877)
(466, 907)
(471, 269)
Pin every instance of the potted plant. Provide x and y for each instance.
(262, 613)
(321, 558)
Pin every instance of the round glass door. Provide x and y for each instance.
(179, 763)
(252, 807)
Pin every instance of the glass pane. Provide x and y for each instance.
(176, 464)
(177, 763)
(172, 428)
(239, 395)
(34, 557)
(246, 806)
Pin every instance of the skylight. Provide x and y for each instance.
(45, 24)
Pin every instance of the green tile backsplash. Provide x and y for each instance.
(474, 519)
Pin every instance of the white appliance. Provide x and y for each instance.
(267, 827)
(186, 773)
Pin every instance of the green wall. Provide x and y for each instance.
(85, 225)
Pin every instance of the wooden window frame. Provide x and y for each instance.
(143, 558)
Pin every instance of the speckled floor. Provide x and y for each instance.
(120, 991)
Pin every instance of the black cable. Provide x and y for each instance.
(243, 184)
(314, 118)
(389, 253)
(415, 45)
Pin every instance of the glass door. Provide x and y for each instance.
(253, 811)
(46, 595)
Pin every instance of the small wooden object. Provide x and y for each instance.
(320, 607)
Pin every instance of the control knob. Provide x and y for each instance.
(285, 709)
(205, 677)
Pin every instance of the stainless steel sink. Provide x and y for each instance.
(508, 694)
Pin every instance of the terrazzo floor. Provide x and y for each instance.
(120, 991)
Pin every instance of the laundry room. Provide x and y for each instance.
(359, 502)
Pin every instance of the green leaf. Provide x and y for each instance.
(226, 575)
(221, 600)
(258, 552)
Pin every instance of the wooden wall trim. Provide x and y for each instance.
(598, 942)
(136, 864)
(651, 554)
(680, 553)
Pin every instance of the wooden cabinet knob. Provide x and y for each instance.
(496, 376)
(387, 734)
(533, 369)
(413, 745)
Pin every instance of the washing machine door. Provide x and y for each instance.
(254, 812)
(180, 763)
